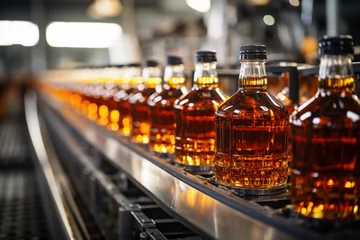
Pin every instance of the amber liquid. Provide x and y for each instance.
(325, 137)
(140, 113)
(113, 114)
(123, 106)
(195, 127)
(252, 140)
(162, 131)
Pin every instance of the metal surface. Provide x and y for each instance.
(198, 204)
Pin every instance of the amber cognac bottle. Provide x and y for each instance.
(132, 79)
(252, 132)
(94, 92)
(162, 130)
(284, 95)
(114, 82)
(111, 79)
(194, 114)
(140, 110)
(325, 137)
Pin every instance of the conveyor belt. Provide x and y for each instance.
(199, 207)
(21, 207)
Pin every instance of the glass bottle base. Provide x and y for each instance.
(199, 170)
(258, 191)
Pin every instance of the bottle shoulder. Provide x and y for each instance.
(327, 109)
(166, 96)
(142, 94)
(204, 96)
(257, 103)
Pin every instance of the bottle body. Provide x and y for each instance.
(252, 141)
(195, 127)
(140, 114)
(121, 115)
(162, 131)
(325, 176)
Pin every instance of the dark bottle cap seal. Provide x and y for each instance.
(136, 65)
(205, 56)
(339, 45)
(173, 60)
(252, 52)
(117, 66)
(150, 63)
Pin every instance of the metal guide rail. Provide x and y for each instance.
(195, 201)
(66, 216)
(122, 210)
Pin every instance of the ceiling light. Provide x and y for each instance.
(199, 5)
(18, 33)
(105, 9)
(269, 20)
(82, 34)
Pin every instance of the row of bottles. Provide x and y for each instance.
(249, 139)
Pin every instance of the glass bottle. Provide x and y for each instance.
(94, 93)
(325, 137)
(284, 95)
(162, 130)
(252, 132)
(113, 85)
(140, 110)
(132, 78)
(194, 114)
(111, 79)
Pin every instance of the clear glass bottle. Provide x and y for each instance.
(252, 132)
(325, 138)
(140, 110)
(194, 114)
(162, 130)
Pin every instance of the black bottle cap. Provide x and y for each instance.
(150, 63)
(339, 45)
(173, 60)
(205, 56)
(137, 65)
(252, 52)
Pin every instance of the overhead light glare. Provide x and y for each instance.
(199, 5)
(260, 2)
(18, 33)
(294, 3)
(82, 34)
(269, 20)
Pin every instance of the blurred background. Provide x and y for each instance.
(49, 34)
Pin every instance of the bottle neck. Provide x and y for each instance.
(335, 74)
(174, 75)
(252, 74)
(206, 75)
(151, 76)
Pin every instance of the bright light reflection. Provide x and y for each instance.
(294, 3)
(199, 5)
(82, 34)
(18, 32)
(269, 20)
